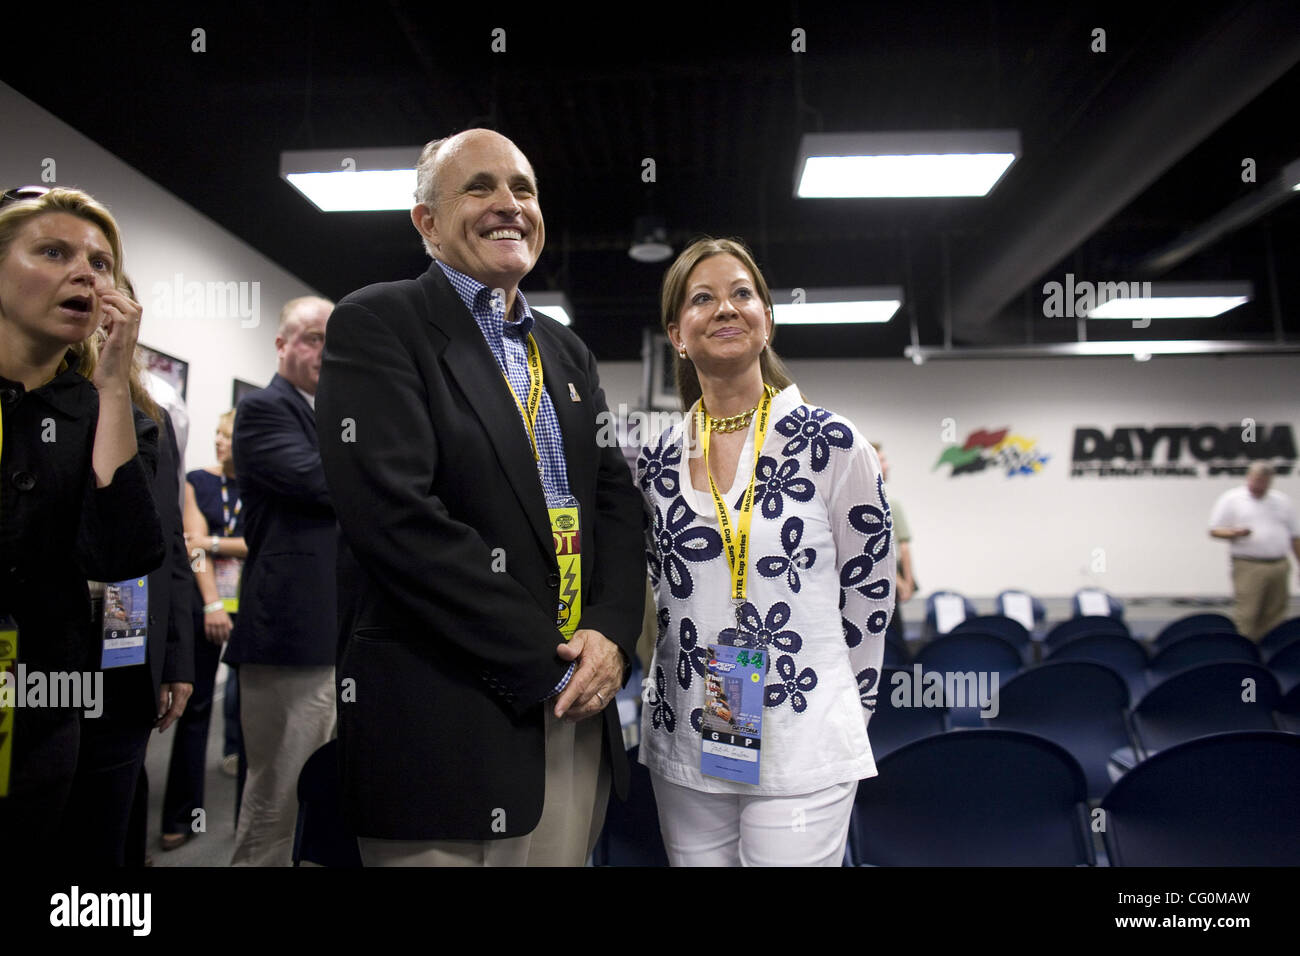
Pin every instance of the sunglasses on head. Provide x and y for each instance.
(19, 193)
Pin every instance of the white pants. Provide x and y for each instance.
(730, 829)
(285, 713)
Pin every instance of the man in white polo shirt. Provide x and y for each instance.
(1262, 526)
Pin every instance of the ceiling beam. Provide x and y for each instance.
(1044, 218)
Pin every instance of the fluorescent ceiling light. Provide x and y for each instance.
(1291, 175)
(1176, 300)
(353, 180)
(941, 163)
(650, 240)
(923, 353)
(554, 304)
(837, 306)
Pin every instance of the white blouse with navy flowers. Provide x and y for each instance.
(820, 592)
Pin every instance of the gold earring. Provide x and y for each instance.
(681, 353)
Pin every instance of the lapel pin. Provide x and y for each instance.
(573, 393)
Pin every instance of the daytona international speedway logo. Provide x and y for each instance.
(986, 449)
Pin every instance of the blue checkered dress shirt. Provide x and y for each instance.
(509, 344)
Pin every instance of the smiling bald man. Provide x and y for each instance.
(492, 584)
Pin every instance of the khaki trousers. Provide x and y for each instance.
(573, 812)
(1261, 595)
(286, 714)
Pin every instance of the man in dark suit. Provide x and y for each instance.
(458, 431)
(283, 641)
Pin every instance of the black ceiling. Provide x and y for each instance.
(1147, 139)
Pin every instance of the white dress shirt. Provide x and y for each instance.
(1271, 520)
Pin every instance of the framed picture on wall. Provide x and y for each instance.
(239, 390)
(175, 372)
(658, 383)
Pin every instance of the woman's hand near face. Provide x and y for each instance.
(121, 326)
(115, 432)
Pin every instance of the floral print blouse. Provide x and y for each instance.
(819, 595)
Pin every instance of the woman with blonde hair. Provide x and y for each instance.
(772, 563)
(76, 502)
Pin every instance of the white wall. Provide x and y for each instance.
(980, 533)
(162, 237)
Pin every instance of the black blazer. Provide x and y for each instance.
(171, 586)
(57, 529)
(131, 693)
(287, 609)
(448, 582)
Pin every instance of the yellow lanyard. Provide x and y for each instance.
(534, 394)
(8, 656)
(737, 540)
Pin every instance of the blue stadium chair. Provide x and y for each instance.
(1280, 636)
(1193, 624)
(968, 652)
(973, 798)
(1201, 700)
(1116, 605)
(1084, 625)
(631, 834)
(1119, 652)
(1077, 704)
(1199, 649)
(896, 652)
(1038, 610)
(1285, 665)
(1008, 629)
(1287, 712)
(1227, 799)
(321, 834)
(931, 624)
(893, 726)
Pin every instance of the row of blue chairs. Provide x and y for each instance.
(1085, 707)
(1196, 624)
(1080, 621)
(1008, 798)
(1012, 602)
(1191, 626)
(976, 648)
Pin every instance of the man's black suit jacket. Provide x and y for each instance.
(287, 607)
(448, 582)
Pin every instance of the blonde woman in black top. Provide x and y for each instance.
(75, 500)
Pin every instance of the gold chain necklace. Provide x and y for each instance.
(733, 423)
